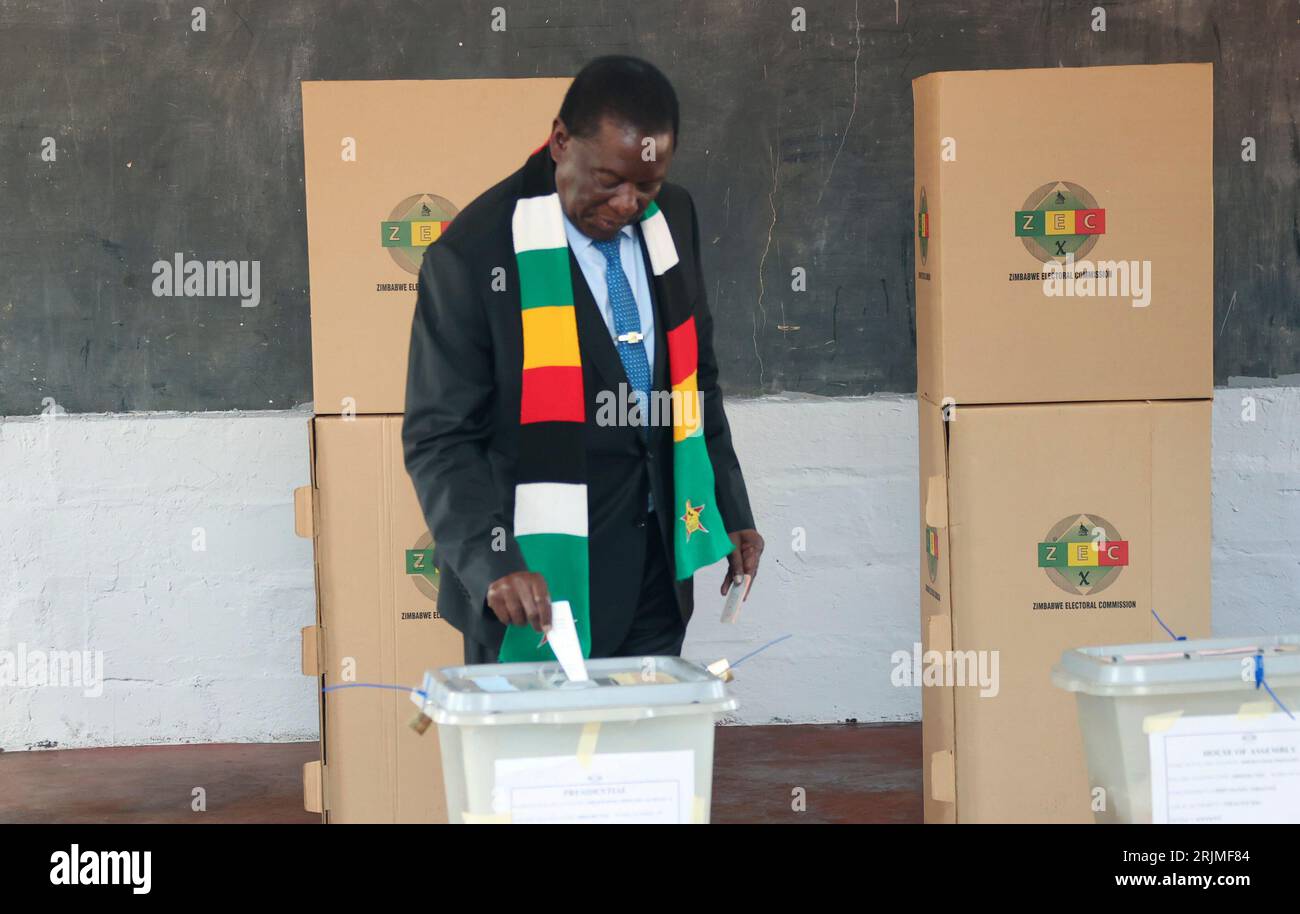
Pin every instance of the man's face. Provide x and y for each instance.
(607, 180)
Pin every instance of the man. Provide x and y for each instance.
(553, 315)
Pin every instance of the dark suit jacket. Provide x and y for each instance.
(460, 433)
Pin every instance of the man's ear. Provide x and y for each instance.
(559, 139)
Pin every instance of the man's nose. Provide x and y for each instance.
(624, 201)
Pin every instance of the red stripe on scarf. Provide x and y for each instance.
(683, 351)
(552, 394)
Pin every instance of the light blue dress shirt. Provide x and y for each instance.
(593, 262)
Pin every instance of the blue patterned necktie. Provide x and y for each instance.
(627, 330)
(627, 326)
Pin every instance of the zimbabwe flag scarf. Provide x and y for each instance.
(550, 521)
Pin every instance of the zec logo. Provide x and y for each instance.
(1059, 220)
(414, 224)
(1083, 554)
(422, 566)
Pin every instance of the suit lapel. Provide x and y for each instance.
(659, 370)
(660, 435)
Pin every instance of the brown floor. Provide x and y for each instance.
(848, 773)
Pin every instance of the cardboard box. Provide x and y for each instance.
(1003, 490)
(1016, 169)
(388, 164)
(376, 622)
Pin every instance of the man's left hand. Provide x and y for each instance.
(743, 559)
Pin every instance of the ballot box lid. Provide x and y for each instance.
(1179, 665)
(617, 688)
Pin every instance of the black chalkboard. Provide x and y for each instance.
(796, 145)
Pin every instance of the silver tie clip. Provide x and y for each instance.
(634, 337)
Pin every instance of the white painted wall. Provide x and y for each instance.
(96, 529)
(845, 470)
(97, 514)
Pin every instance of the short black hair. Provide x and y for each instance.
(625, 89)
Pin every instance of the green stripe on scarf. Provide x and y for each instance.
(693, 483)
(544, 278)
(562, 560)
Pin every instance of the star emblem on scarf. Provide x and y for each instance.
(692, 520)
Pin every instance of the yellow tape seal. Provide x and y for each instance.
(482, 818)
(587, 743)
(700, 811)
(631, 678)
(1256, 709)
(1159, 723)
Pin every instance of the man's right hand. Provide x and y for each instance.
(521, 598)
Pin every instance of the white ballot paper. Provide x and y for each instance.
(731, 608)
(563, 638)
(1226, 769)
(623, 788)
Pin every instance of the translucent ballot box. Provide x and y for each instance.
(1190, 731)
(521, 743)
